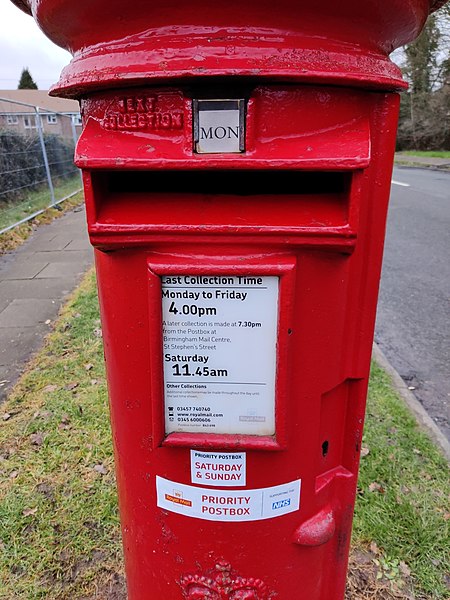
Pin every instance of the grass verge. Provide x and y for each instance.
(429, 153)
(17, 236)
(59, 531)
(13, 212)
(58, 519)
(404, 491)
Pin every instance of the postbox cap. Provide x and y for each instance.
(118, 43)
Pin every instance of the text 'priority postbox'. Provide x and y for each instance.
(236, 174)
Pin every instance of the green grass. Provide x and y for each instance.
(59, 531)
(13, 238)
(409, 517)
(56, 510)
(13, 212)
(430, 153)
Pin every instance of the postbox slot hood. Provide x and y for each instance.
(342, 147)
(286, 127)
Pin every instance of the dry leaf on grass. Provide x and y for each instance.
(374, 548)
(404, 569)
(37, 439)
(101, 469)
(376, 487)
(71, 386)
(50, 388)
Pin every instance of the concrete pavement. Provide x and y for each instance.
(35, 279)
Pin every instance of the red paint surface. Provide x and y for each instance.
(307, 201)
(116, 43)
(324, 236)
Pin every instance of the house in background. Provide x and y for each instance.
(58, 115)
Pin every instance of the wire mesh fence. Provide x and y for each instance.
(36, 160)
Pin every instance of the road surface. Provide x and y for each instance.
(413, 319)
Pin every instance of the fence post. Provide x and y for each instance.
(44, 154)
(75, 139)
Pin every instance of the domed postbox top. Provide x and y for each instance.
(116, 43)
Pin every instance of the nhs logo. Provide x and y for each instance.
(281, 504)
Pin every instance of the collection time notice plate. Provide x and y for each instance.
(219, 126)
(219, 353)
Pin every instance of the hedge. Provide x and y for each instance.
(22, 164)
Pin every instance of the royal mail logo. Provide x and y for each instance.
(281, 504)
(177, 498)
(222, 584)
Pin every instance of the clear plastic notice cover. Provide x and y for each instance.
(219, 353)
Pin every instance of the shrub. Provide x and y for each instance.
(22, 164)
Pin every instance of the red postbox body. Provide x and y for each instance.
(237, 174)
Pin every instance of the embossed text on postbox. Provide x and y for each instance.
(145, 112)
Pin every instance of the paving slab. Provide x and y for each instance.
(15, 341)
(69, 255)
(60, 269)
(35, 280)
(75, 245)
(58, 242)
(4, 301)
(27, 312)
(18, 347)
(33, 288)
(24, 269)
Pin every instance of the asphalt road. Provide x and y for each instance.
(413, 319)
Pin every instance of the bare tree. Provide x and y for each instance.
(425, 110)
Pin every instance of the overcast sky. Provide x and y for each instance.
(22, 44)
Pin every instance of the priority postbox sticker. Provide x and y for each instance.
(223, 469)
(228, 505)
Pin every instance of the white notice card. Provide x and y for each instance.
(219, 353)
(221, 469)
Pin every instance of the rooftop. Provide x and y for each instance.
(38, 98)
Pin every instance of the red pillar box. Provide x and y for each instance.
(237, 164)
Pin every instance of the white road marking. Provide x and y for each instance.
(400, 183)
